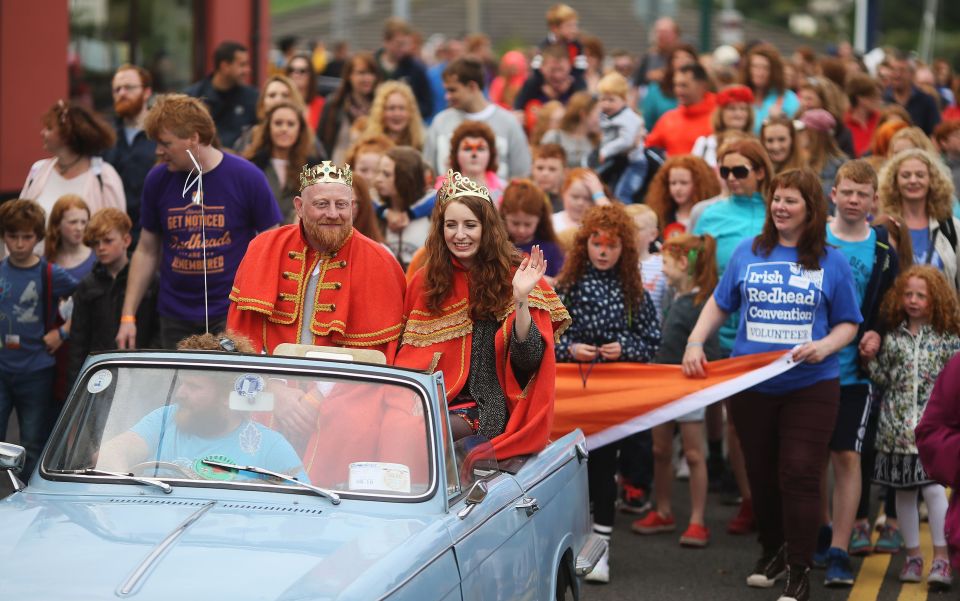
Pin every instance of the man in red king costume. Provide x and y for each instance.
(320, 281)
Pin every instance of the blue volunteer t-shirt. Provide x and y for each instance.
(860, 256)
(249, 444)
(783, 305)
(22, 319)
(238, 204)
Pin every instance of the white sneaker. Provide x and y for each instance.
(601, 572)
(682, 470)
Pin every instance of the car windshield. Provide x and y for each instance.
(354, 436)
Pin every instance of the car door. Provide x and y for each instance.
(494, 541)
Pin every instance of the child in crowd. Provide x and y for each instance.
(680, 183)
(581, 190)
(613, 320)
(526, 213)
(63, 246)
(548, 170)
(98, 300)
(405, 201)
(922, 313)
(30, 288)
(689, 264)
(365, 157)
(874, 267)
(473, 152)
(651, 262)
(622, 132)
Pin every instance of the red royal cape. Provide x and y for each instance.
(443, 342)
(358, 300)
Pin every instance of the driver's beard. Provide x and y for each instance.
(325, 239)
(205, 422)
(128, 109)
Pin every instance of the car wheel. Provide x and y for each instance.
(564, 586)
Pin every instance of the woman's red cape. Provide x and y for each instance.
(443, 342)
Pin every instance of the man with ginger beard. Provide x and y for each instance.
(133, 154)
(319, 281)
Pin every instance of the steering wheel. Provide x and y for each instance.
(141, 469)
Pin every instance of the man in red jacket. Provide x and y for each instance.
(678, 129)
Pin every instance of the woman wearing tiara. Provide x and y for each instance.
(487, 320)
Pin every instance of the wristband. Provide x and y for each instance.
(598, 195)
(64, 335)
(128, 319)
(689, 344)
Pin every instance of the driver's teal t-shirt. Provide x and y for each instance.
(249, 444)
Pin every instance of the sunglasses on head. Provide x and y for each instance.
(739, 172)
(473, 147)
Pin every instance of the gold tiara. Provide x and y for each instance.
(458, 185)
(326, 173)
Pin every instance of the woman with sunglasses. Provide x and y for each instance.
(794, 292)
(746, 170)
(300, 71)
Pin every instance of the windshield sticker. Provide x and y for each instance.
(99, 381)
(248, 385)
(373, 475)
(209, 472)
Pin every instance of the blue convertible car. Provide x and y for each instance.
(208, 475)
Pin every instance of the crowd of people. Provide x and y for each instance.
(565, 205)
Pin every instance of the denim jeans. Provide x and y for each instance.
(631, 181)
(31, 394)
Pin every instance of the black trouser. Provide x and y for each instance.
(636, 459)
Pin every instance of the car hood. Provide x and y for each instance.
(165, 548)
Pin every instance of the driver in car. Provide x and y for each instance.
(201, 427)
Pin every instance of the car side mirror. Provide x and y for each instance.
(12, 458)
(476, 494)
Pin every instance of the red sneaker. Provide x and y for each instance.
(743, 522)
(695, 536)
(653, 523)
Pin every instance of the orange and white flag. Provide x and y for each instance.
(610, 401)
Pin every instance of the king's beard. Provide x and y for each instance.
(324, 238)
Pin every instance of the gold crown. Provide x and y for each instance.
(458, 185)
(326, 173)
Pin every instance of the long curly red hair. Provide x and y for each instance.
(491, 273)
(613, 220)
(705, 184)
(942, 300)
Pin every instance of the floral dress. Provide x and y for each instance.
(906, 368)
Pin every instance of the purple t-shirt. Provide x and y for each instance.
(238, 204)
(551, 254)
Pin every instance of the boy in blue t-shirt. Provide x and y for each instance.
(29, 287)
(873, 264)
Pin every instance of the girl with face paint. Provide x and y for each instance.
(614, 319)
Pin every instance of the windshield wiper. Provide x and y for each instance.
(334, 497)
(89, 471)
